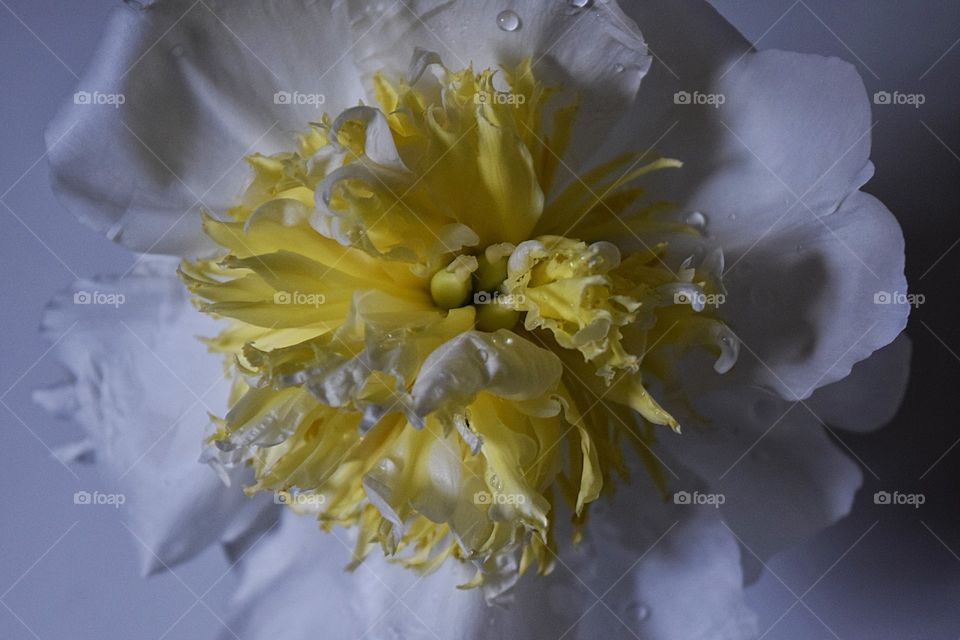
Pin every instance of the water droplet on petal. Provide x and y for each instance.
(177, 51)
(639, 611)
(733, 216)
(508, 21)
(581, 4)
(618, 68)
(697, 219)
(799, 248)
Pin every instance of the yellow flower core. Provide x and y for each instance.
(437, 334)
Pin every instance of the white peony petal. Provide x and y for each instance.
(664, 571)
(692, 45)
(783, 478)
(595, 49)
(812, 300)
(141, 388)
(790, 126)
(870, 396)
(201, 84)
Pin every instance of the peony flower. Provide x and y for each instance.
(467, 319)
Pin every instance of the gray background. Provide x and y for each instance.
(885, 572)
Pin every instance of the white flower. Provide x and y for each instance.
(774, 148)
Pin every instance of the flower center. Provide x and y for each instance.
(438, 338)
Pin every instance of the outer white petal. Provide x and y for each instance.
(664, 572)
(805, 301)
(596, 50)
(791, 127)
(790, 124)
(198, 83)
(141, 386)
(870, 396)
(782, 477)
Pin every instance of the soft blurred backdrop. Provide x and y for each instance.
(886, 572)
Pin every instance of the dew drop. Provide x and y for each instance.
(732, 216)
(484, 356)
(508, 21)
(799, 248)
(581, 4)
(387, 465)
(697, 219)
(177, 51)
(639, 611)
(619, 68)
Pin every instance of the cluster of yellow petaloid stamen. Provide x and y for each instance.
(438, 336)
